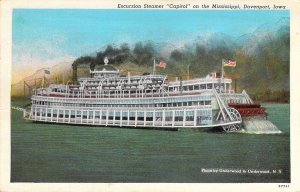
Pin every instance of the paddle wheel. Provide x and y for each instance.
(249, 109)
(229, 115)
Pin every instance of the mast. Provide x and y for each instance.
(222, 76)
(153, 66)
(222, 68)
(43, 82)
(128, 76)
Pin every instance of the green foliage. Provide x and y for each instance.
(263, 73)
(143, 54)
(266, 74)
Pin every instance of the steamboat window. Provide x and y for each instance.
(61, 113)
(67, 112)
(132, 115)
(72, 114)
(103, 115)
(140, 118)
(207, 102)
(48, 114)
(189, 118)
(97, 114)
(178, 118)
(54, 112)
(178, 113)
(168, 114)
(149, 118)
(38, 110)
(90, 114)
(167, 118)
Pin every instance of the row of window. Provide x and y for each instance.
(176, 118)
(178, 104)
(115, 91)
(114, 86)
(91, 113)
(131, 118)
(125, 81)
(135, 90)
(198, 87)
(95, 101)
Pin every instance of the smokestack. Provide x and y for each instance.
(74, 66)
(92, 68)
(128, 77)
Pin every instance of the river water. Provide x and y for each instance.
(65, 153)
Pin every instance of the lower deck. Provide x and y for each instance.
(193, 118)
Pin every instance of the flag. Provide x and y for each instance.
(47, 72)
(229, 63)
(213, 74)
(161, 64)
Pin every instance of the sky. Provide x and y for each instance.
(47, 36)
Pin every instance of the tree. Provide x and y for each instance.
(144, 54)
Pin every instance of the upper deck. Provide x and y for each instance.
(108, 84)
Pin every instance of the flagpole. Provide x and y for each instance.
(222, 75)
(154, 66)
(222, 68)
(43, 82)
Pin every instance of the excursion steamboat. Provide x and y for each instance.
(149, 101)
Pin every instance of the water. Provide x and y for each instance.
(259, 126)
(64, 153)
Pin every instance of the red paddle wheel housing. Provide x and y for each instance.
(247, 110)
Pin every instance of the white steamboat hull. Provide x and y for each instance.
(133, 118)
(205, 111)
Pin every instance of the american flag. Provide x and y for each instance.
(161, 64)
(229, 62)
